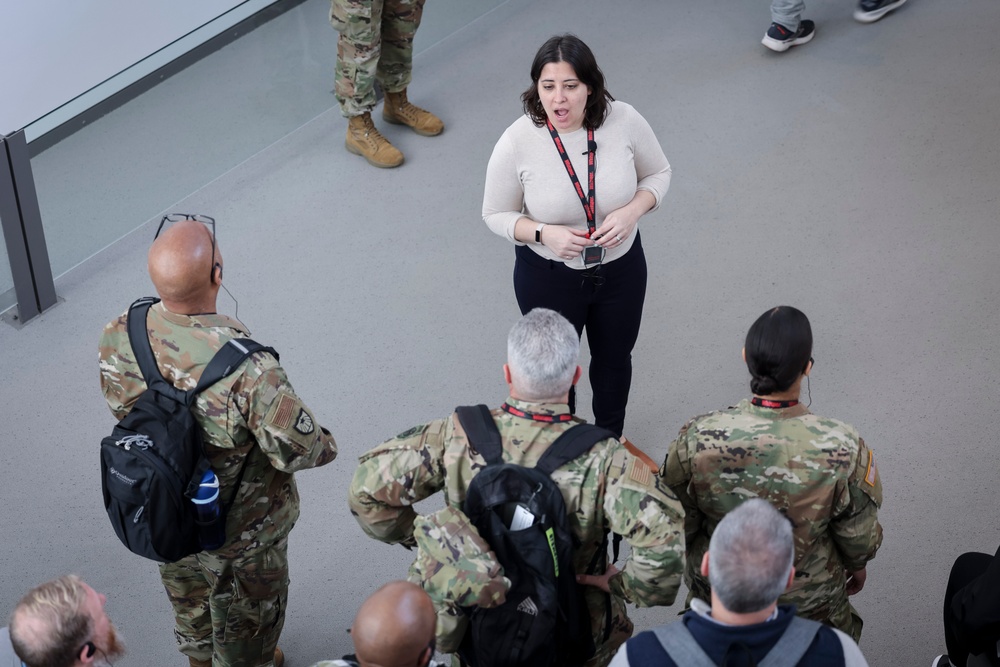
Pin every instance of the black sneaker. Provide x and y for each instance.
(779, 38)
(869, 11)
(942, 661)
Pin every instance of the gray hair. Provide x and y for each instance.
(543, 349)
(750, 557)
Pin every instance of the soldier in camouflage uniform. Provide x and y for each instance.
(817, 471)
(376, 44)
(605, 489)
(229, 604)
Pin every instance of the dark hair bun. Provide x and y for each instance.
(762, 386)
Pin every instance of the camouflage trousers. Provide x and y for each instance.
(376, 44)
(620, 630)
(842, 616)
(229, 610)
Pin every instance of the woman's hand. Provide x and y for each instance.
(617, 227)
(620, 223)
(565, 242)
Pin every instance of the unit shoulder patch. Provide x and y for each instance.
(304, 424)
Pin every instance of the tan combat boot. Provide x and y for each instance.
(399, 111)
(364, 140)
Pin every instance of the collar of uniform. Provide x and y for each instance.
(205, 321)
(773, 413)
(539, 408)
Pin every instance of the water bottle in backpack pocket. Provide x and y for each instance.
(208, 513)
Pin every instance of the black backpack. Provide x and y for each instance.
(154, 459)
(520, 512)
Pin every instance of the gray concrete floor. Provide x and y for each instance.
(854, 177)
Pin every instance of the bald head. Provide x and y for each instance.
(394, 627)
(183, 270)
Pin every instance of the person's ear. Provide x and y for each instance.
(744, 354)
(87, 652)
(809, 367)
(577, 375)
(704, 565)
(791, 579)
(217, 274)
(425, 657)
(506, 374)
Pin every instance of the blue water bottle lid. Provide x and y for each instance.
(208, 490)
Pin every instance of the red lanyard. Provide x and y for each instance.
(587, 200)
(511, 410)
(765, 403)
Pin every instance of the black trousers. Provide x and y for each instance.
(972, 608)
(607, 303)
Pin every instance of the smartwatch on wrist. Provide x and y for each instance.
(538, 233)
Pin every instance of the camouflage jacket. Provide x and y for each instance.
(815, 470)
(252, 415)
(605, 489)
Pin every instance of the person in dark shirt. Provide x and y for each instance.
(749, 565)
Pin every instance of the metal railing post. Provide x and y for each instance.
(21, 220)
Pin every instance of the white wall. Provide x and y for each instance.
(54, 51)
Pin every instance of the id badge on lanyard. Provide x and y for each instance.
(592, 254)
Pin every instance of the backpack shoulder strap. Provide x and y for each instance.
(793, 645)
(227, 359)
(138, 338)
(573, 443)
(681, 646)
(645, 649)
(484, 436)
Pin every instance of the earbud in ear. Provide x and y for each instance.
(219, 267)
(91, 649)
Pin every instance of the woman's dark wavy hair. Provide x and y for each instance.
(778, 348)
(569, 49)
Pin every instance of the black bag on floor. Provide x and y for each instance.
(520, 512)
(154, 459)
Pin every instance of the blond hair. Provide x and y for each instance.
(49, 625)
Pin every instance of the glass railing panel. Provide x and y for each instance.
(134, 163)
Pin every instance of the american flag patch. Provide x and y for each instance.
(639, 472)
(283, 413)
(871, 476)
